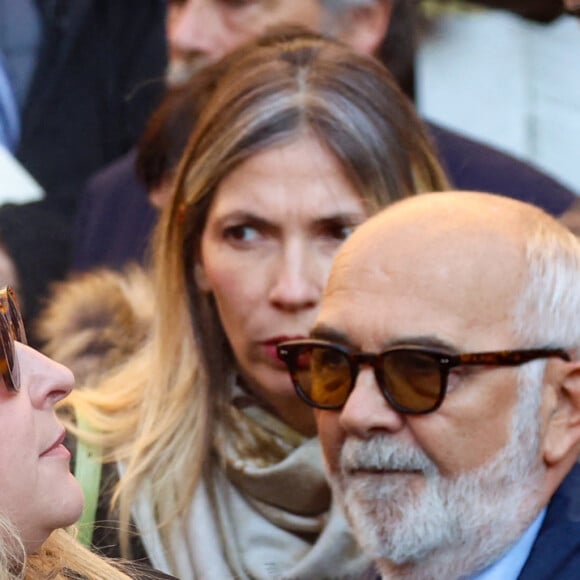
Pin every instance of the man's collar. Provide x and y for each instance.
(509, 566)
(556, 552)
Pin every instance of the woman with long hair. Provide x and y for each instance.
(210, 456)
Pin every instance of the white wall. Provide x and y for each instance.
(508, 82)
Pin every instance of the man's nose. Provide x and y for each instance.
(367, 412)
(192, 28)
(572, 5)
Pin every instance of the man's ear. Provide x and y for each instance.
(562, 435)
(365, 27)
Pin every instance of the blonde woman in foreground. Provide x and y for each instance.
(207, 450)
(38, 494)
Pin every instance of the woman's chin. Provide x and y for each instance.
(70, 507)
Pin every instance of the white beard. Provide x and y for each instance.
(428, 526)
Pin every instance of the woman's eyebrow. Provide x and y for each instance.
(346, 217)
(242, 216)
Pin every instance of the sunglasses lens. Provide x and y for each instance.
(8, 368)
(413, 379)
(15, 318)
(11, 329)
(323, 375)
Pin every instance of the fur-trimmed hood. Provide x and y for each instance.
(96, 320)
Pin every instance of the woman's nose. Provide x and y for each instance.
(46, 381)
(298, 280)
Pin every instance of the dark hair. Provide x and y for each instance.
(170, 127)
(397, 51)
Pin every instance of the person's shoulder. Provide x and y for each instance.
(556, 551)
(101, 238)
(117, 174)
(471, 165)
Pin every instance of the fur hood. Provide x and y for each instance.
(96, 320)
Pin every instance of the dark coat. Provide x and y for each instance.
(115, 217)
(474, 166)
(541, 10)
(556, 551)
(98, 77)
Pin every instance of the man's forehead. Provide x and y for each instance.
(452, 273)
(480, 270)
(446, 229)
(440, 243)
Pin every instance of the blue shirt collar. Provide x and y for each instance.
(509, 566)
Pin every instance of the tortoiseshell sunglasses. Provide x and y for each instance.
(412, 379)
(11, 329)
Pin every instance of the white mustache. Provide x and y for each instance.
(383, 453)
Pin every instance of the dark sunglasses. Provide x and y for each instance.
(11, 329)
(412, 379)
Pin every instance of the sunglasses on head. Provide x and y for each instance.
(412, 379)
(11, 329)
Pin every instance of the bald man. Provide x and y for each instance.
(444, 369)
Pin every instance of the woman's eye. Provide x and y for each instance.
(241, 233)
(339, 231)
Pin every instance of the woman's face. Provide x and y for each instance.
(38, 493)
(272, 231)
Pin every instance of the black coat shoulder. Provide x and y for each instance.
(471, 165)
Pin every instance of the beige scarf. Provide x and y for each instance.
(256, 518)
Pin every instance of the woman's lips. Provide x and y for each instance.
(270, 345)
(57, 448)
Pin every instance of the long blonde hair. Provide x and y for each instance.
(60, 558)
(158, 413)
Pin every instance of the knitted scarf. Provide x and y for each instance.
(257, 515)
